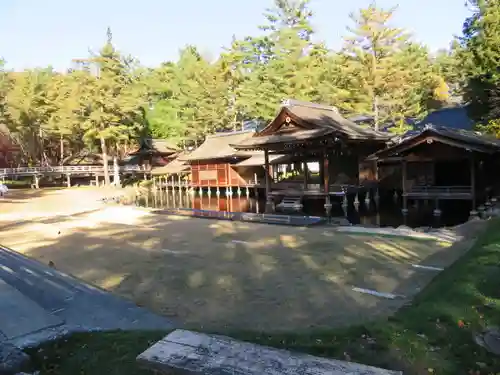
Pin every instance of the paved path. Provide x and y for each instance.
(38, 303)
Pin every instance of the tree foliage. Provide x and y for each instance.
(108, 100)
(480, 58)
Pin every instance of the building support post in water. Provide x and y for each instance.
(36, 181)
(437, 211)
(68, 180)
(247, 191)
(324, 167)
(96, 179)
(405, 197)
(367, 198)
(345, 201)
(356, 200)
(269, 198)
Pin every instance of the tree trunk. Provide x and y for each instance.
(375, 112)
(104, 150)
(61, 145)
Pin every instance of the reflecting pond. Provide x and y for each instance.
(388, 213)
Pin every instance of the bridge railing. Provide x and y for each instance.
(69, 169)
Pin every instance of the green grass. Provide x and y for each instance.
(17, 183)
(428, 336)
(107, 353)
(432, 336)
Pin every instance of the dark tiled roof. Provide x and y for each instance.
(323, 121)
(301, 135)
(156, 145)
(461, 138)
(466, 136)
(456, 118)
(218, 146)
(329, 117)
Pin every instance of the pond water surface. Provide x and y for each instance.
(388, 212)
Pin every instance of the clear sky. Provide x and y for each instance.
(42, 32)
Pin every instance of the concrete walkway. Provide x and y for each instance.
(38, 303)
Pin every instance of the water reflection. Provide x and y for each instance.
(387, 214)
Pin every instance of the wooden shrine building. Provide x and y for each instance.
(441, 163)
(215, 163)
(153, 152)
(309, 132)
(176, 173)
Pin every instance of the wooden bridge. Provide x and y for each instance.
(68, 170)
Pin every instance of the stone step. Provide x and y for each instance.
(186, 352)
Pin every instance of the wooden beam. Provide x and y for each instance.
(403, 173)
(306, 174)
(473, 180)
(266, 168)
(326, 173)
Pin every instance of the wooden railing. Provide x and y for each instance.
(439, 190)
(69, 169)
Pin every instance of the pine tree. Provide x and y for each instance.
(481, 59)
(370, 51)
(114, 100)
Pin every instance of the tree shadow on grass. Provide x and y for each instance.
(282, 286)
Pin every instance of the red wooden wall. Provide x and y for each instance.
(222, 174)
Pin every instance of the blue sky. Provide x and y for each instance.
(42, 32)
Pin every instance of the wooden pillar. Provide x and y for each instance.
(68, 180)
(269, 199)
(36, 181)
(217, 190)
(405, 198)
(322, 170)
(473, 180)
(306, 172)
(324, 167)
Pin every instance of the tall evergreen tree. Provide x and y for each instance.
(114, 101)
(371, 52)
(481, 59)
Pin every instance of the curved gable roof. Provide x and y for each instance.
(313, 121)
(218, 146)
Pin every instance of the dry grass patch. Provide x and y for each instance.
(231, 275)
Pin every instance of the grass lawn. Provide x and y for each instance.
(432, 336)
